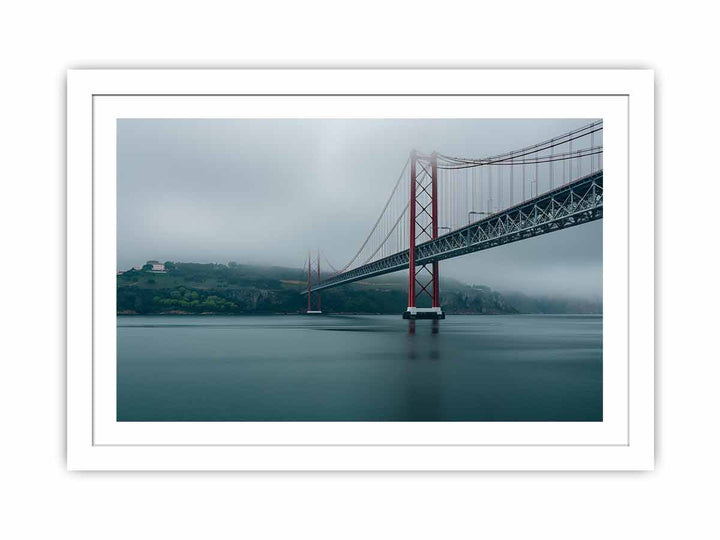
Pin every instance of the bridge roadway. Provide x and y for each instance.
(577, 202)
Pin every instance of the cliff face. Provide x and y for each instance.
(476, 301)
(250, 299)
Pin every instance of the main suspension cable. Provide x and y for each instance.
(382, 213)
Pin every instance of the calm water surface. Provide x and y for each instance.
(360, 368)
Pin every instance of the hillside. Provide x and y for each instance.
(243, 289)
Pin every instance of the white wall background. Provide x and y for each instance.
(40, 40)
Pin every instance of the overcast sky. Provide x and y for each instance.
(266, 191)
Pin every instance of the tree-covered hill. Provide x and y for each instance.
(244, 289)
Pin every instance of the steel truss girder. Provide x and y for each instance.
(580, 201)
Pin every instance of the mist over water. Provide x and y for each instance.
(360, 368)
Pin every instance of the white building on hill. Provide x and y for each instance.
(156, 266)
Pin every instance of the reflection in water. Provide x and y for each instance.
(423, 373)
(435, 326)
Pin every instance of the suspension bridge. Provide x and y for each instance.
(445, 206)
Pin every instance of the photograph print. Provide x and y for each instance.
(359, 270)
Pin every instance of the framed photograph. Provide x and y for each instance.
(360, 270)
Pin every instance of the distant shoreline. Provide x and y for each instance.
(186, 314)
(234, 289)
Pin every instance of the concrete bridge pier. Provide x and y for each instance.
(414, 313)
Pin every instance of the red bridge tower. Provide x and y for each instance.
(318, 299)
(424, 278)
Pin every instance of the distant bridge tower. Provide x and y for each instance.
(423, 279)
(316, 295)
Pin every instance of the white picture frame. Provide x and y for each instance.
(623, 441)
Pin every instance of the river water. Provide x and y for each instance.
(359, 368)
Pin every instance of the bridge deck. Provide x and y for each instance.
(574, 203)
